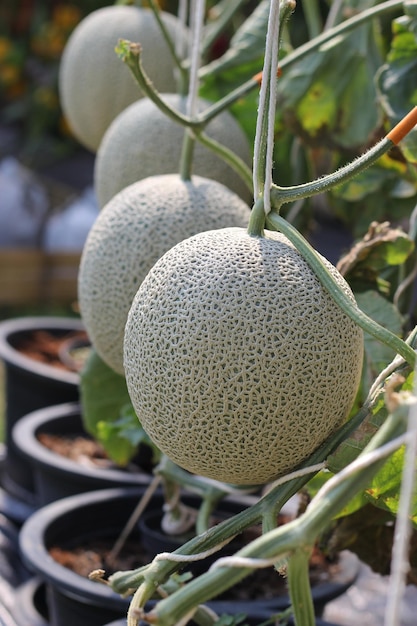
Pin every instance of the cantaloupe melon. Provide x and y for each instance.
(130, 234)
(94, 84)
(238, 363)
(142, 141)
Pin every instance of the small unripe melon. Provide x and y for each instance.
(94, 84)
(238, 363)
(130, 234)
(143, 141)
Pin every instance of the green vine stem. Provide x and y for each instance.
(264, 136)
(186, 157)
(299, 589)
(169, 42)
(130, 53)
(229, 157)
(283, 542)
(276, 222)
(282, 195)
(312, 17)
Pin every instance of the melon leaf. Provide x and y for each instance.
(105, 401)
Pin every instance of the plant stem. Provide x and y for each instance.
(257, 219)
(228, 156)
(299, 587)
(130, 53)
(157, 12)
(186, 158)
(276, 222)
(283, 195)
(311, 11)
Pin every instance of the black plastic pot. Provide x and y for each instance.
(73, 599)
(56, 476)
(30, 607)
(30, 385)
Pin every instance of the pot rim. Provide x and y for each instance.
(25, 440)
(13, 357)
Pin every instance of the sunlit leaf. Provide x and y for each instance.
(396, 81)
(104, 395)
(329, 95)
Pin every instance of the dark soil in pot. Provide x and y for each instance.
(33, 379)
(65, 461)
(51, 348)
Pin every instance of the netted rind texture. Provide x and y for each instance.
(130, 234)
(238, 363)
(94, 84)
(143, 141)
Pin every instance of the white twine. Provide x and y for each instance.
(400, 559)
(270, 70)
(197, 21)
(242, 561)
(312, 469)
(228, 487)
(181, 42)
(190, 558)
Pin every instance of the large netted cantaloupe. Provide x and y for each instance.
(238, 363)
(94, 84)
(130, 234)
(143, 141)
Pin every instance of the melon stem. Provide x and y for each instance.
(187, 152)
(257, 219)
(157, 12)
(298, 582)
(283, 195)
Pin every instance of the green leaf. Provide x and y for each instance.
(397, 79)
(247, 44)
(376, 195)
(384, 491)
(320, 479)
(329, 96)
(353, 445)
(367, 262)
(104, 396)
(377, 354)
